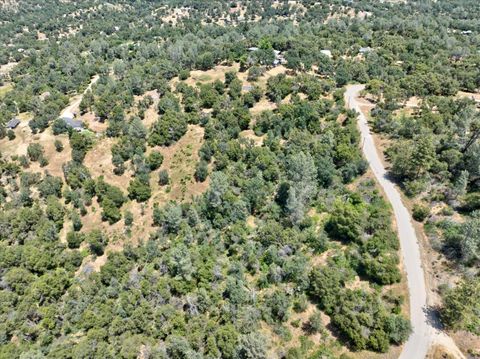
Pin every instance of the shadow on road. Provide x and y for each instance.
(433, 317)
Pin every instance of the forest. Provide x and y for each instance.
(214, 202)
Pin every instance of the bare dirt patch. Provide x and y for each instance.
(99, 162)
(249, 134)
(24, 137)
(5, 88)
(6, 68)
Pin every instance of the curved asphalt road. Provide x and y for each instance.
(424, 334)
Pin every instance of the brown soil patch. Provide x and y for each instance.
(439, 352)
(249, 134)
(151, 114)
(209, 76)
(41, 36)
(263, 105)
(468, 342)
(99, 162)
(5, 69)
(5, 88)
(90, 121)
(24, 137)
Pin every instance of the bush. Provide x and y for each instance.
(97, 242)
(128, 218)
(201, 172)
(43, 161)
(420, 212)
(168, 129)
(163, 178)
(35, 151)
(184, 74)
(11, 135)
(58, 145)
(154, 160)
(314, 324)
(75, 239)
(471, 202)
(139, 190)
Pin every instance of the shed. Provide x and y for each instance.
(13, 123)
(252, 49)
(247, 88)
(327, 53)
(364, 50)
(72, 123)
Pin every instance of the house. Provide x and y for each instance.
(72, 123)
(327, 53)
(365, 50)
(13, 123)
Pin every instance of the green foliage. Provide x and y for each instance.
(96, 242)
(35, 151)
(201, 171)
(154, 160)
(75, 239)
(139, 189)
(163, 177)
(461, 306)
(420, 212)
(168, 129)
(58, 145)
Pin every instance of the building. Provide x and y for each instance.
(365, 50)
(13, 123)
(327, 53)
(247, 88)
(76, 125)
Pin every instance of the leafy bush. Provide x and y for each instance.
(420, 212)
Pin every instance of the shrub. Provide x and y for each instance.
(420, 212)
(184, 74)
(35, 151)
(163, 178)
(201, 172)
(97, 242)
(75, 239)
(314, 324)
(58, 145)
(11, 135)
(154, 160)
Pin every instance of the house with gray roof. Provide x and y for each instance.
(72, 123)
(13, 123)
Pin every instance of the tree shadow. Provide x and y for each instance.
(433, 317)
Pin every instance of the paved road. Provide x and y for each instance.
(424, 334)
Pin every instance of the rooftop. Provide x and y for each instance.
(71, 122)
(14, 122)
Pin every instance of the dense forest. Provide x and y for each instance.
(263, 234)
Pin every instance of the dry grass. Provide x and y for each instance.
(5, 88)
(6, 68)
(180, 160)
(99, 162)
(24, 137)
(439, 352)
(475, 96)
(249, 134)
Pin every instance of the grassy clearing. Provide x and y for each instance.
(5, 89)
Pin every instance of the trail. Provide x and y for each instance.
(425, 324)
(74, 106)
